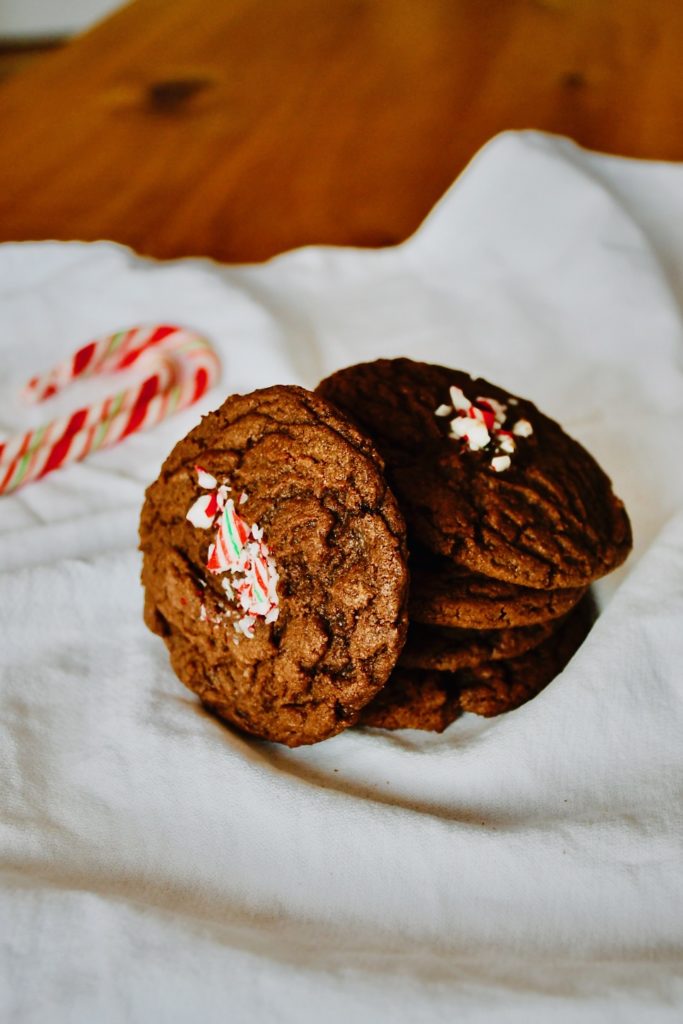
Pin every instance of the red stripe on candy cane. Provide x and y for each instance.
(137, 415)
(157, 336)
(76, 423)
(200, 383)
(83, 358)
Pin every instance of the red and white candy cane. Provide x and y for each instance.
(185, 367)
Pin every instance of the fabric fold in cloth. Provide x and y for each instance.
(158, 866)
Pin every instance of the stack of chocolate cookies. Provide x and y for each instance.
(276, 548)
(509, 521)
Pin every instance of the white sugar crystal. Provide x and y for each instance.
(458, 400)
(443, 410)
(522, 428)
(202, 613)
(500, 462)
(225, 583)
(506, 443)
(243, 497)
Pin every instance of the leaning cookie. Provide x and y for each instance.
(483, 477)
(275, 566)
(445, 594)
(429, 700)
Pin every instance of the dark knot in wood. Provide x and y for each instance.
(171, 94)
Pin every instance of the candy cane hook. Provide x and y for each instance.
(185, 366)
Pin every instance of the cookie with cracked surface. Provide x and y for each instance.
(275, 566)
(449, 650)
(483, 477)
(445, 594)
(430, 700)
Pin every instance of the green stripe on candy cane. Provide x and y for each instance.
(115, 343)
(230, 518)
(173, 396)
(20, 471)
(98, 433)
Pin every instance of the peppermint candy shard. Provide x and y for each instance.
(501, 463)
(484, 416)
(443, 410)
(522, 428)
(459, 400)
(506, 442)
(497, 409)
(472, 430)
(205, 479)
(203, 512)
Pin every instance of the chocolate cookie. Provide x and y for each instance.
(498, 686)
(483, 477)
(448, 650)
(275, 566)
(445, 594)
(415, 699)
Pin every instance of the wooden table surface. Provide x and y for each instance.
(241, 128)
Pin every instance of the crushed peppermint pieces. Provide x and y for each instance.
(239, 550)
(480, 425)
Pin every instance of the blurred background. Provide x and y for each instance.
(29, 28)
(241, 128)
(40, 19)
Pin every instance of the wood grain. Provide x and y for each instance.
(244, 128)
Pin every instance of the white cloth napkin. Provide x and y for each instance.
(158, 867)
